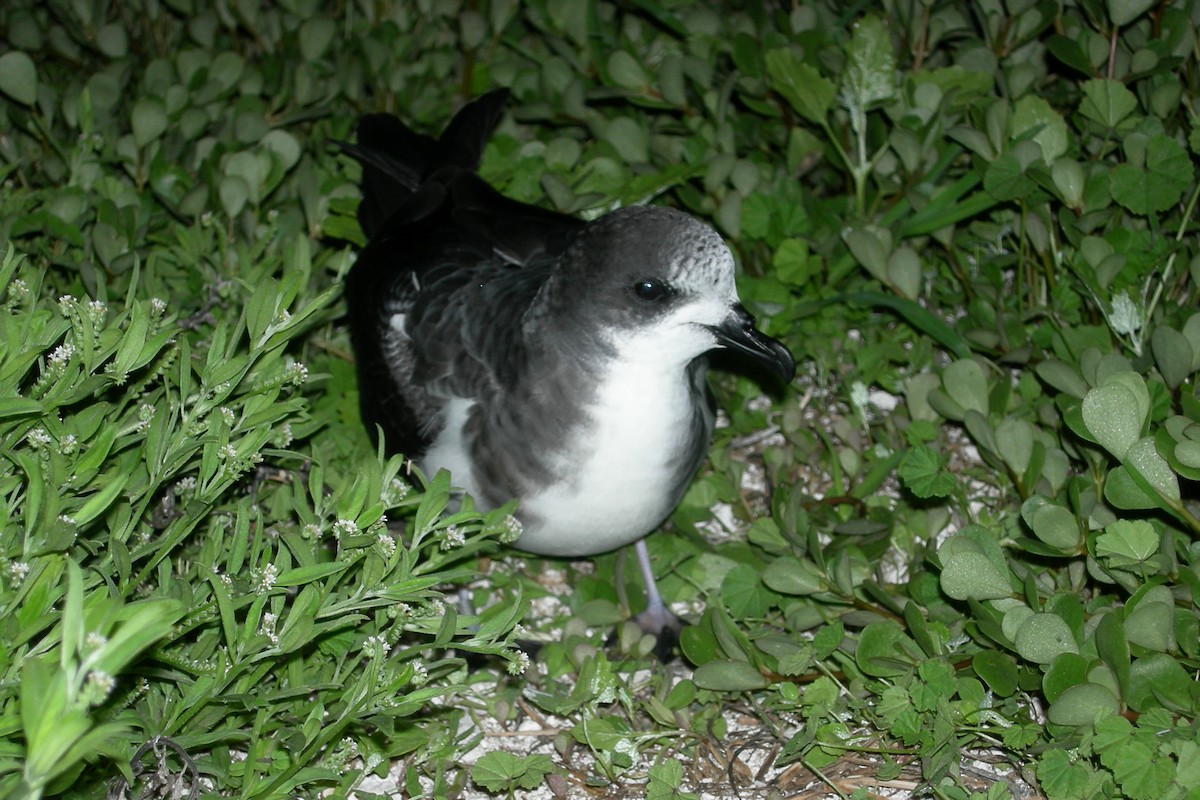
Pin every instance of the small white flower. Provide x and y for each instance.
(295, 372)
(38, 438)
(512, 529)
(95, 641)
(17, 570)
(344, 527)
(376, 646)
(99, 686)
(18, 290)
(158, 306)
(267, 628)
(452, 537)
(228, 452)
(98, 311)
(283, 436)
(420, 673)
(396, 491)
(61, 355)
(68, 444)
(228, 415)
(1124, 318)
(64, 519)
(185, 484)
(66, 304)
(206, 219)
(311, 531)
(520, 664)
(265, 578)
(387, 544)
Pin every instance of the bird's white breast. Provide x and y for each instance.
(619, 470)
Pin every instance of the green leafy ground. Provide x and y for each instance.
(970, 525)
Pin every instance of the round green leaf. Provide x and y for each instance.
(1159, 680)
(1123, 12)
(998, 670)
(315, 36)
(1065, 671)
(790, 575)
(1053, 524)
(904, 272)
(1044, 636)
(1082, 704)
(1173, 354)
(884, 651)
(1014, 441)
(1112, 416)
(1032, 113)
(1144, 459)
(625, 70)
(966, 385)
(18, 77)
(234, 193)
(149, 120)
(1151, 625)
(967, 575)
(729, 676)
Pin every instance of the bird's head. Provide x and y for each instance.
(664, 280)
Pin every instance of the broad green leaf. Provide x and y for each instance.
(808, 92)
(625, 71)
(972, 575)
(18, 77)
(1033, 113)
(1173, 354)
(1123, 12)
(1127, 543)
(922, 472)
(1107, 102)
(729, 676)
(1082, 704)
(149, 120)
(885, 651)
(1143, 458)
(1014, 441)
(1160, 184)
(1052, 523)
(1151, 625)
(966, 384)
(869, 77)
(1043, 636)
(790, 575)
(1112, 416)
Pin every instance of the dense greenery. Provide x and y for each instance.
(974, 222)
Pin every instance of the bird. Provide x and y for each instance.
(535, 355)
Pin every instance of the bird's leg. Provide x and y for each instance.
(657, 619)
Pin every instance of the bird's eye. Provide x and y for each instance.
(650, 290)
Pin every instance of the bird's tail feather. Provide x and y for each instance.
(396, 159)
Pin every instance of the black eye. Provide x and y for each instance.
(650, 290)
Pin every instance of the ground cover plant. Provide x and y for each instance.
(970, 526)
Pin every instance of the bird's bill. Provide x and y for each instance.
(738, 333)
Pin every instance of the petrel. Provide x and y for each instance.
(535, 355)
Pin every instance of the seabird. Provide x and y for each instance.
(534, 355)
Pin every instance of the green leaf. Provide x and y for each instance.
(972, 575)
(1127, 543)
(1107, 102)
(966, 384)
(1173, 353)
(1144, 460)
(1052, 523)
(1082, 705)
(625, 71)
(801, 85)
(1014, 441)
(922, 472)
(1033, 114)
(1042, 637)
(149, 120)
(1157, 187)
(724, 675)
(1112, 415)
(790, 575)
(500, 771)
(18, 77)
(1123, 12)
(869, 76)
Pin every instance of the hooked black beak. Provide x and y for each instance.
(737, 333)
